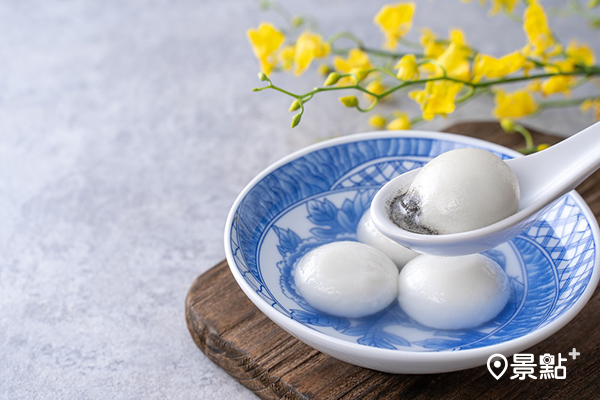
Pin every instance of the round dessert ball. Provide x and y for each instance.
(453, 292)
(369, 234)
(464, 189)
(347, 279)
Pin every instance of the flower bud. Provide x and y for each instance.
(360, 73)
(332, 79)
(400, 123)
(262, 76)
(324, 69)
(296, 120)
(508, 125)
(349, 101)
(296, 21)
(378, 121)
(542, 146)
(295, 105)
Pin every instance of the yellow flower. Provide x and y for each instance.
(437, 98)
(514, 105)
(458, 36)
(324, 69)
(395, 21)
(356, 59)
(308, 47)
(591, 104)
(399, 123)
(507, 5)
(534, 86)
(431, 48)
(535, 25)
(375, 87)
(286, 56)
(377, 120)
(557, 84)
(356, 62)
(492, 67)
(454, 59)
(407, 68)
(560, 83)
(265, 40)
(581, 54)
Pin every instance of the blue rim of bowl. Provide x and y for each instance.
(508, 347)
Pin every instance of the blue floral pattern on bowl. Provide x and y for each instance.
(320, 197)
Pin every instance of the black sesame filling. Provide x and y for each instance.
(404, 211)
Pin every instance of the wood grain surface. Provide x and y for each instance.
(235, 335)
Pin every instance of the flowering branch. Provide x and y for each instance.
(444, 73)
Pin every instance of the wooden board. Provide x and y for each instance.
(235, 335)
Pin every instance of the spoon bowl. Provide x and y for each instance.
(543, 178)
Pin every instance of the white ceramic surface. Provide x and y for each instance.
(318, 195)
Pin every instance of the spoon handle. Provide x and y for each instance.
(560, 168)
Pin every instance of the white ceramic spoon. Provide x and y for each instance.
(543, 177)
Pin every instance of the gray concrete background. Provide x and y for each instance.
(127, 128)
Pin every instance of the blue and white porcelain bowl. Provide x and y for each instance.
(317, 195)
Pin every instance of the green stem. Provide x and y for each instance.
(473, 88)
(447, 42)
(527, 150)
(527, 135)
(584, 12)
(466, 96)
(402, 85)
(370, 50)
(537, 63)
(386, 53)
(565, 103)
(345, 35)
(591, 71)
(417, 120)
(376, 52)
(307, 98)
(514, 17)
(295, 21)
(384, 71)
(370, 107)
(271, 86)
(410, 44)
